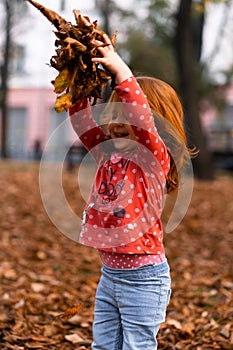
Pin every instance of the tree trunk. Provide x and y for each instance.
(187, 61)
(106, 8)
(4, 79)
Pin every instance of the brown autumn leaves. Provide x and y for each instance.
(78, 76)
(46, 278)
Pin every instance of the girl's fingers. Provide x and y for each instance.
(97, 42)
(107, 39)
(98, 60)
(104, 42)
(106, 50)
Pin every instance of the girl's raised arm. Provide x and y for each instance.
(89, 132)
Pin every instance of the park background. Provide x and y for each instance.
(188, 44)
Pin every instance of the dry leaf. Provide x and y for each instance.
(71, 271)
(63, 102)
(62, 81)
(78, 76)
(70, 312)
(225, 331)
(10, 274)
(74, 338)
(38, 287)
(174, 323)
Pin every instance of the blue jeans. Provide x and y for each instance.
(130, 306)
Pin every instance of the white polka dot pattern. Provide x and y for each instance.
(130, 261)
(102, 229)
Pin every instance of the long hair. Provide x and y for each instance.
(169, 118)
(165, 103)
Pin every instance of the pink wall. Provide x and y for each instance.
(38, 102)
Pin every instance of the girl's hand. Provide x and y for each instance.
(111, 60)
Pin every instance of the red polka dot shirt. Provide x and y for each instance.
(123, 213)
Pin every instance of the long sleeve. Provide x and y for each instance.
(141, 119)
(89, 132)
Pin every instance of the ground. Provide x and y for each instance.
(43, 273)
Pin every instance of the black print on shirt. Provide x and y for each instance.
(109, 190)
(110, 172)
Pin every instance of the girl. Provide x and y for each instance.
(122, 218)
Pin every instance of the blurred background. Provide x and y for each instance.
(186, 43)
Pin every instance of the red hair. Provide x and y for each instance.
(163, 100)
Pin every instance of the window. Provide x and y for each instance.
(17, 59)
(17, 133)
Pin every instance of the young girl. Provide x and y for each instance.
(122, 218)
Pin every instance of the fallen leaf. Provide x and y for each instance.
(225, 331)
(74, 338)
(174, 323)
(38, 287)
(70, 312)
(71, 272)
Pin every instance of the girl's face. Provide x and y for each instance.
(121, 133)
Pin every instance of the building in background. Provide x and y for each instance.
(31, 117)
(218, 126)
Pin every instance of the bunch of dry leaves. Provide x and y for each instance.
(78, 76)
(48, 282)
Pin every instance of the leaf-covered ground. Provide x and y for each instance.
(43, 273)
